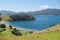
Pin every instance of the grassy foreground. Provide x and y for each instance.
(44, 35)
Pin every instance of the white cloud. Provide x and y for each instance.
(44, 7)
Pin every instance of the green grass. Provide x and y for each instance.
(5, 17)
(7, 32)
(44, 36)
(7, 35)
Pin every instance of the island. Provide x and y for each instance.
(18, 17)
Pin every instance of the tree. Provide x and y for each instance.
(30, 32)
(17, 17)
(0, 19)
(10, 26)
(16, 32)
(2, 25)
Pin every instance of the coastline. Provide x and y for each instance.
(34, 31)
(21, 29)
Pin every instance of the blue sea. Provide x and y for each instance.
(41, 22)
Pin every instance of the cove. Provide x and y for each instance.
(41, 22)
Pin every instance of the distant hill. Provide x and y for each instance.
(47, 12)
(5, 12)
(41, 12)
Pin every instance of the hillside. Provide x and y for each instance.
(51, 35)
(5, 12)
(19, 17)
(52, 29)
(47, 12)
(39, 12)
(4, 17)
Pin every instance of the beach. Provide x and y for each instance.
(20, 29)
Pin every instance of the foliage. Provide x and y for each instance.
(17, 17)
(7, 35)
(30, 32)
(2, 25)
(0, 19)
(10, 26)
(16, 32)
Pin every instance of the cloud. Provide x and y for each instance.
(44, 7)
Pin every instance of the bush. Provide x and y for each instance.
(14, 29)
(10, 26)
(30, 32)
(16, 32)
(2, 25)
(0, 19)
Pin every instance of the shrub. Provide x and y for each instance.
(2, 25)
(30, 32)
(0, 19)
(14, 29)
(10, 26)
(16, 32)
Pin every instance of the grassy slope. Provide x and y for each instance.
(47, 34)
(6, 35)
(4, 17)
(52, 29)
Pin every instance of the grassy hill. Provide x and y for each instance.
(52, 33)
(4, 17)
(55, 28)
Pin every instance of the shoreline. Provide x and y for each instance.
(21, 29)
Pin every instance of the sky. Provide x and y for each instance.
(28, 5)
